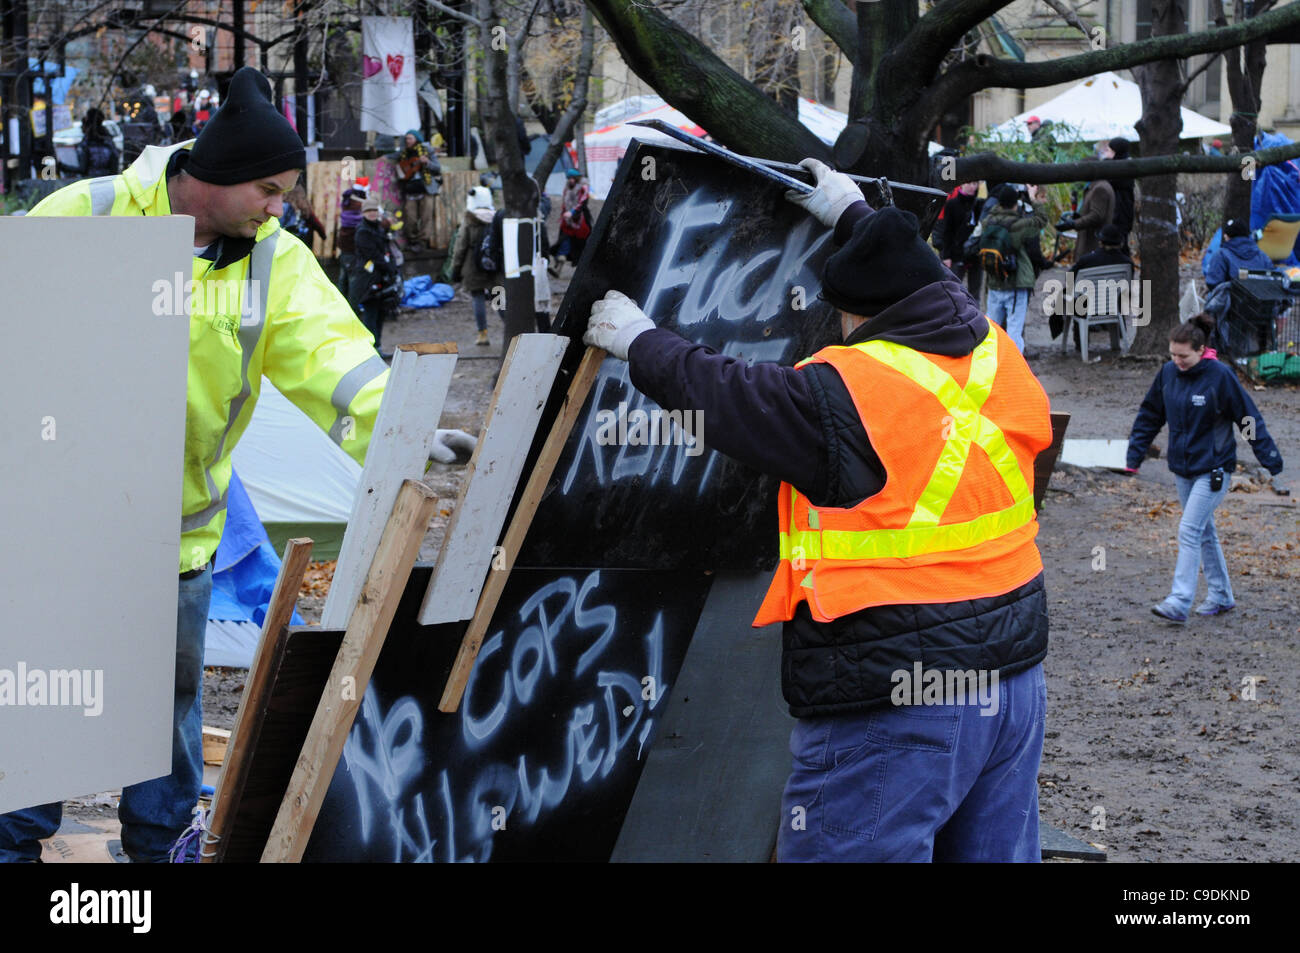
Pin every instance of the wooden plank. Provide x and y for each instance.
(1045, 462)
(215, 743)
(527, 375)
(449, 205)
(1110, 454)
(399, 450)
(115, 634)
(256, 698)
(351, 673)
(583, 378)
(309, 654)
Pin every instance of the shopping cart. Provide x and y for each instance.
(1263, 316)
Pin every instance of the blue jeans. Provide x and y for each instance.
(480, 308)
(919, 782)
(1198, 544)
(1008, 309)
(153, 813)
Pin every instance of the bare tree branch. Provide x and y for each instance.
(1070, 16)
(921, 54)
(577, 106)
(1209, 60)
(453, 12)
(990, 166)
(834, 19)
(985, 72)
(695, 80)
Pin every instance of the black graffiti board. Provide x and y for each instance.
(572, 682)
(722, 258)
(543, 756)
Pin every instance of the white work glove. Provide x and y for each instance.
(450, 446)
(834, 193)
(615, 322)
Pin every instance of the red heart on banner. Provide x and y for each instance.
(395, 66)
(370, 66)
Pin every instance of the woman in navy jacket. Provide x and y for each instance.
(1201, 400)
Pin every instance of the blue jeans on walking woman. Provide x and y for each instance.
(1198, 545)
(153, 813)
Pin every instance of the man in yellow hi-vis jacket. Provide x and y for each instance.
(258, 304)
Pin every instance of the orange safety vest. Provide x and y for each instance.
(955, 519)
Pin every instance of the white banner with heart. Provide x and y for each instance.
(388, 103)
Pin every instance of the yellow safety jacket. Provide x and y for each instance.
(272, 312)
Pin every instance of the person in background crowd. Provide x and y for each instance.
(959, 218)
(466, 268)
(299, 219)
(575, 218)
(1237, 250)
(179, 122)
(1095, 212)
(97, 155)
(421, 177)
(1111, 252)
(1215, 148)
(204, 107)
(1009, 294)
(1125, 203)
(373, 266)
(349, 219)
(1201, 401)
(1040, 134)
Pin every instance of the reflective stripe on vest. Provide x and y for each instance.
(968, 425)
(348, 387)
(103, 193)
(252, 318)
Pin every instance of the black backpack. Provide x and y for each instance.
(997, 255)
(491, 253)
(101, 158)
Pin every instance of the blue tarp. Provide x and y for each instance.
(58, 84)
(245, 569)
(421, 292)
(1276, 189)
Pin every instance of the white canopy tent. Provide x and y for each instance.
(1104, 106)
(299, 481)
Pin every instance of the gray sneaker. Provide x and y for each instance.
(1210, 607)
(1167, 612)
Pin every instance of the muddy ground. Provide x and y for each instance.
(1164, 743)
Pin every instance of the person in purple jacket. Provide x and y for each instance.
(1202, 401)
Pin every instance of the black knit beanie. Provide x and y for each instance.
(246, 138)
(882, 263)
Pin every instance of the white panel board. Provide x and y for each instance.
(493, 472)
(1112, 454)
(399, 450)
(91, 454)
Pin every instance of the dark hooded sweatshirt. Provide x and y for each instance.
(801, 426)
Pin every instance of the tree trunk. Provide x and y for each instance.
(1244, 89)
(519, 191)
(1158, 129)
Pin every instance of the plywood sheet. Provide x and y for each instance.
(91, 453)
